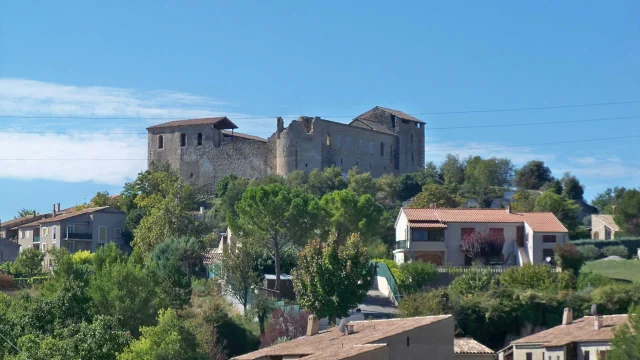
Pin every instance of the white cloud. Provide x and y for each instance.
(72, 157)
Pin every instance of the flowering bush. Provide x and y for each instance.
(482, 245)
(283, 326)
(6, 281)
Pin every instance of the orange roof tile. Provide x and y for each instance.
(538, 221)
(469, 346)
(580, 330)
(427, 225)
(329, 344)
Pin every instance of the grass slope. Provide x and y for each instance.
(624, 269)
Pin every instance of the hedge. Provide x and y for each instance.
(632, 244)
(29, 282)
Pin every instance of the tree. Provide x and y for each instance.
(569, 258)
(452, 170)
(606, 200)
(435, 195)
(407, 186)
(175, 261)
(626, 341)
(532, 175)
(555, 185)
(482, 245)
(429, 175)
(26, 212)
(170, 339)
(349, 213)
(434, 302)
(523, 201)
(387, 194)
(472, 281)
(571, 187)
(126, 291)
(529, 277)
(284, 326)
(262, 305)
(491, 172)
(417, 274)
(566, 210)
(238, 273)
(321, 182)
(331, 279)
(103, 198)
(361, 183)
(276, 218)
(28, 263)
(627, 213)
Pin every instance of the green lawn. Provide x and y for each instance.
(624, 269)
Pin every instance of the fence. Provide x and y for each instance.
(382, 271)
(457, 270)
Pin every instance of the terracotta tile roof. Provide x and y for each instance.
(580, 330)
(397, 113)
(539, 222)
(427, 225)
(375, 126)
(469, 346)
(607, 220)
(73, 214)
(204, 121)
(19, 221)
(350, 351)
(244, 136)
(329, 344)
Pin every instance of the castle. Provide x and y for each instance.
(203, 151)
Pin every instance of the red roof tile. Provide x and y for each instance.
(578, 331)
(469, 346)
(539, 222)
(204, 121)
(427, 225)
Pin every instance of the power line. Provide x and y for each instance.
(428, 128)
(531, 108)
(439, 150)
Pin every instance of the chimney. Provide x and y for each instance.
(54, 210)
(597, 322)
(58, 207)
(567, 316)
(312, 326)
(509, 212)
(34, 214)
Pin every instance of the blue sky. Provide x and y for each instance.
(334, 59)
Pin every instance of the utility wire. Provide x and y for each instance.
(428, 128)
(427, 151)
(342, 116)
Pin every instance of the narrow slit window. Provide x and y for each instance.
(328, 140)
(160, 142)
(199, 139)
(381, 149)
(183, 140)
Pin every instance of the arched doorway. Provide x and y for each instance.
(596, 235)
(435, 258)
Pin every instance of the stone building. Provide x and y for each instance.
(203, 151)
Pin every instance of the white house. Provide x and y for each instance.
(435, 234)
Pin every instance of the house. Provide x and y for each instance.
(603, 227)
(407, 338)
(587, 338)
(469, 349)
(8, 229)
(435, 234)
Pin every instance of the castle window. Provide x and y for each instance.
(338, 141)
(360, 146)
(369, 165)
(356, 163)
(412, 158)
(199, 139)
(405, 121)
(418, 125)
(381, 149)
(391, 150)
(160, 142)
(328, 140)
(183, 140)
(340, 161)
(349, 142)
(370, 147)
(412, 138)
(393, 121)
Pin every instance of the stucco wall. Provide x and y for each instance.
(593, 348)
(539, 353)
(453, 238)
(8, 250)
(435, 339)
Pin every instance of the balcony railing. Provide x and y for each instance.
(36, 239)
(78, 236)
(401, 244)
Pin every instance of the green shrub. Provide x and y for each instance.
(616, 250)
(395, 270)
(473, 281)
(566, 280)
(416, 274)
(616, 298)
(434, 302)
(529, 277)
(590, 279)
(569, 258)
(5, 267)
(589, 252)
(632, 244)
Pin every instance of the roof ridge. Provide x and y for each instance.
(402, 319)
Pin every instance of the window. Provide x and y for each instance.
(44, 248)
(411, 158)
(529, 356)
(360, 146)
(391, 150)
(71, 246)
(21, 234)
(102, 234)
(427, 235)
(418, 125)
(393, 121)
(412, 138)
(603, 355)
(349, 142)
(160, 142)
(407, 341)
(338, 143)
(183, 140)
(45, 231)
(27, 233)
(54, 232)
(381, 149)
(328, 140)
(340, 161)
(586, 355)
(370, 147)
(118, 232)
(497, 232)
(199, 139)
(548, 238)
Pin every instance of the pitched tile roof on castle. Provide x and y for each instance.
(329, 344)
(396, 113)
(469, 346)
(537, 221)
(581, 330)
(222, 122)
(375, 126)
(608, 221)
